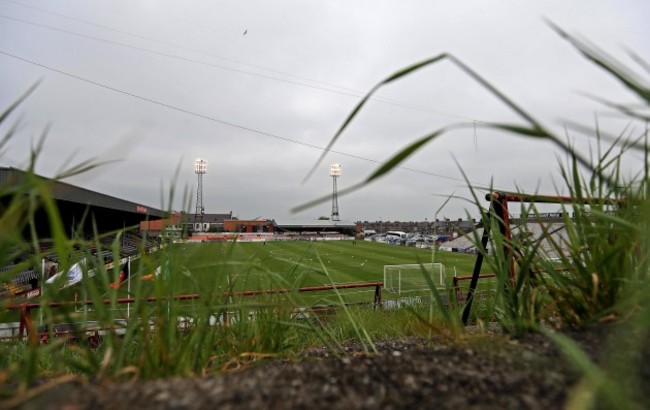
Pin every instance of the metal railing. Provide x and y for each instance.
(460, 298)
(26, 326)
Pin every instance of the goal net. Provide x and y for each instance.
(410, 277)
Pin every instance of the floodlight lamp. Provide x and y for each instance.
(335, 170)
(200, 166)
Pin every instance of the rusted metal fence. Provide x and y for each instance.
(26, 326)
(499, 210)
(460, 297)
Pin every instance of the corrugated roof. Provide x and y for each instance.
(309, 223)
(63, 191)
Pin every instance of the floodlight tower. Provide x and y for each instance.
(200, 168)
(335, 172)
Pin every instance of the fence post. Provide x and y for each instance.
(23, 322)
(26, 325)
(459, 294)
(377, 301)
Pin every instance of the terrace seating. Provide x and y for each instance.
(11, 289)
(25, 276)
(130, 245)
(7, 267)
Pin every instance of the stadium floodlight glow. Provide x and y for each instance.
(335, 172)
(200, 168)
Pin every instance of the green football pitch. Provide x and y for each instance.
(260, 266)
(254, 266)
(214, 268)
(346, 261)
(238, 266)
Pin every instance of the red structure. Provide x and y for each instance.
(249, 226)
(499, 210)
(27, 326)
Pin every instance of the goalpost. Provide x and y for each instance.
(410, 278)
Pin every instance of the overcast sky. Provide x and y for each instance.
(258, 88)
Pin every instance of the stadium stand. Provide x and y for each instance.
(84, 211)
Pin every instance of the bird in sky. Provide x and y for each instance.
(245, 31)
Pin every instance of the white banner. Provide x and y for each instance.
(73, 276)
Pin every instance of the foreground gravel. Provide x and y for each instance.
(482, 372)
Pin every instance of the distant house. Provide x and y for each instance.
(249, 226)
(452, 228)
(318, 226)
(169, 228)
(181, 223)
(207, 222)
(442, 228)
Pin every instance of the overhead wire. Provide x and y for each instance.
(173, 56)
(217, 120)
(348, 91)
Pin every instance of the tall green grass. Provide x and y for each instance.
(160, 335)
(605, 251)
(161, 338)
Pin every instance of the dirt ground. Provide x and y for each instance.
(478, 373)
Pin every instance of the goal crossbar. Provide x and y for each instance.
(410, 277)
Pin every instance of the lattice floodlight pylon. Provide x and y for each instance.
(410, 277)
(335, 172)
